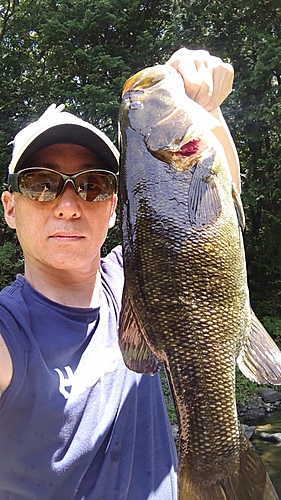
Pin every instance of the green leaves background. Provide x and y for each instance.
(81, 52)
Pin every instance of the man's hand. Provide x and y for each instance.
(207, 79)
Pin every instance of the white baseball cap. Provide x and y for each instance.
(58, 126)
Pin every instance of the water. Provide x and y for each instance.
(270, 453)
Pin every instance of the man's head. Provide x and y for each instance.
(40, 183)
(62, 198)
(58, 126)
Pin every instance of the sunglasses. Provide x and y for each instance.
(45, 184)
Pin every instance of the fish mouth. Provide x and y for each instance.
(139, 86)
(145, 79)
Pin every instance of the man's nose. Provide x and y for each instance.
(68, 203)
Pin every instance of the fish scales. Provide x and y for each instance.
(198, 370)
(186, 301)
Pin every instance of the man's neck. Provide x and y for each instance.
(67, 288)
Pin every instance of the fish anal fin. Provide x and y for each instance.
(204, 203)
(136, 353)
(249, 481)
(260, 358)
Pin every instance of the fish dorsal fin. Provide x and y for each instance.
(135, 351)
(260, 358)
(204, 200)
(238, 207)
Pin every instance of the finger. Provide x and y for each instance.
(222, 85)
(205, 75)
(217, 79)
(183, 61)
(223, 80)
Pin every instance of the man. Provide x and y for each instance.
(75, 422)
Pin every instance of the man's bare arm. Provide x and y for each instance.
(6, 366)
(208, 81)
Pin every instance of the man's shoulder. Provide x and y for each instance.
(13, 291)
(115, 257)
(112, 264)
(14, 310)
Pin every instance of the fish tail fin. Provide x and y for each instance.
(249, 482)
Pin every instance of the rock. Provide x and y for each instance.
(273, 438)
(241, 409)
(270, 395)
(248, 430)
(253, 416)
(175, 431)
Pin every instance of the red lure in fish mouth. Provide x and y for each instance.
(190, 148)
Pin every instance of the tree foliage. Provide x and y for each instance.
(81, 52)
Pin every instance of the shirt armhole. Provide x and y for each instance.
(16, 346)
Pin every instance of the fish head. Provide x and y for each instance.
(174, 128)
(148, 96)
(158, 121)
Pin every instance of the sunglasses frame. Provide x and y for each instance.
(14, 180)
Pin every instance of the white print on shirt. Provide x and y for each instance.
(65, 382)
(89, 371)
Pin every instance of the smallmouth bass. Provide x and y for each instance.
(186, 300)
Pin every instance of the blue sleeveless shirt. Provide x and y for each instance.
(75, 423)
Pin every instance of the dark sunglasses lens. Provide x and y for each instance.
(46, 185)
(39, 185)
(92, 186)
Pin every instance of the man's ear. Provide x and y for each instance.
(9, 208)
(112, 219)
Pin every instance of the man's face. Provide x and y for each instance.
(66, 233)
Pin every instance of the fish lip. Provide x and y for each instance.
(138, 81)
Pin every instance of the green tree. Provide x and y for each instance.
(78, 53)
(249, 35)
(81, 52)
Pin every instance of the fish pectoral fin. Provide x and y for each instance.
(238, 207)
(136, 353)
(204, 203)
(260, 358)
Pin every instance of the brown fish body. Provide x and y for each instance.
(186, 299)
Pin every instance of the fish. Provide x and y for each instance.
(185, 303)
